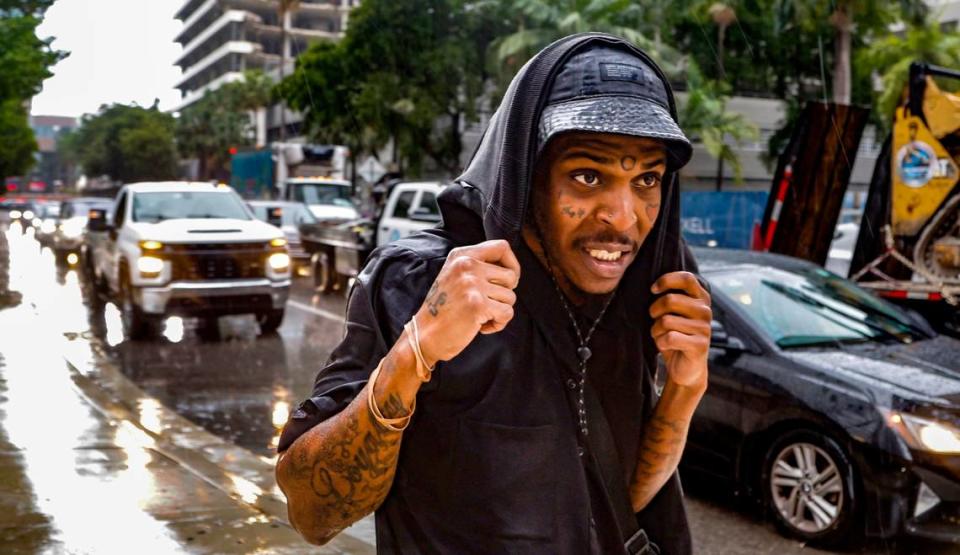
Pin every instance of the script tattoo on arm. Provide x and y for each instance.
(342, 469)
(658, 455)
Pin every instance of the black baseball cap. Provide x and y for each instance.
(610, 90)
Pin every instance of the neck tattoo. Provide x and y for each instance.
(583, 350)
(628, 162)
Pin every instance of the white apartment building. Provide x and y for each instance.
(223, 38)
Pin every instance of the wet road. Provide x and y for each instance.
(240, 386)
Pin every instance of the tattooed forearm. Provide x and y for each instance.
(661, 444)
(343, 468)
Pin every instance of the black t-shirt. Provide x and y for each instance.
(490, 462)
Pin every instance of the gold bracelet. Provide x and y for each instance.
(392, 424)
(424, 372)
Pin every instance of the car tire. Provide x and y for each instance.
(809, 486)
(136, 324)
(324, 274)
(269, 321)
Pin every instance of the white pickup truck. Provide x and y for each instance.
(190, 249)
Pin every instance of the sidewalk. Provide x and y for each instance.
(90, 464)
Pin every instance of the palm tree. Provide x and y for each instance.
(285, 9)
(723, 16)
(254, 94)
(704, 117)
(891, 57)
(845, 17)
(544, 21)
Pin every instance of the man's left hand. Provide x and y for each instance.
(681, 327)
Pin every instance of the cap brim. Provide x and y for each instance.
(623, 115)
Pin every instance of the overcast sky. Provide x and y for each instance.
(120, 51)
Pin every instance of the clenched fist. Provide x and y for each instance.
(473, 293)
(681, 326)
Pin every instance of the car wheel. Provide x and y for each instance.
(136, 324)
(809, 486)
(270, 321)
(324, 275)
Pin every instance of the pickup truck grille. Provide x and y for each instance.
(218, 261)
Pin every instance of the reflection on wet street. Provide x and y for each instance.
(80, 476)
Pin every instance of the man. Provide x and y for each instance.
(543, 301)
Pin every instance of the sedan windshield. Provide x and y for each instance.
(156, 207)
(812, 307)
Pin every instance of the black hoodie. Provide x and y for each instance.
(490, 462)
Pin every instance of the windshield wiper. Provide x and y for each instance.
(802, 297)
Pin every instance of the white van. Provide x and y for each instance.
(410, 207)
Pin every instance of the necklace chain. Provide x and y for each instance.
(583, 350)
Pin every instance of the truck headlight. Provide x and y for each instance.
(149, 266)
(15, 214)
(925, 434)
(28, 215)
(48, 226)
(279, 261)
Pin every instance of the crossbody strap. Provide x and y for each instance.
(607, 464)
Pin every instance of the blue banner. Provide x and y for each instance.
(724, 219)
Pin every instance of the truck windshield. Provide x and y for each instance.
(322, 193)
(812, 307)
(173, 205)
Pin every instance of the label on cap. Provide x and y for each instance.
(622, 72)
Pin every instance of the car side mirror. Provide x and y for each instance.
(425, 215)
(97, 220)
(720, 339)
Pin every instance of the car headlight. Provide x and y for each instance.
(28, 215)
(279, 261)
(925, 434)
(48, 226)
(15, 214)
(150, 265)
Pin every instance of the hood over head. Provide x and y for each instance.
(491, 198)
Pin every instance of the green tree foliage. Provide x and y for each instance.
(703, 115)
(221, 120)
(410, 71)
(127, 143)
(892, 55)
(25, 61)
(17, 143)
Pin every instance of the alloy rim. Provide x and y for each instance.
(807, 488)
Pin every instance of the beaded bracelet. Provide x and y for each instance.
(392, 424)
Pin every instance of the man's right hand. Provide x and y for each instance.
(473, 293)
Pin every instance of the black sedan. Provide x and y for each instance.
(839, 410)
